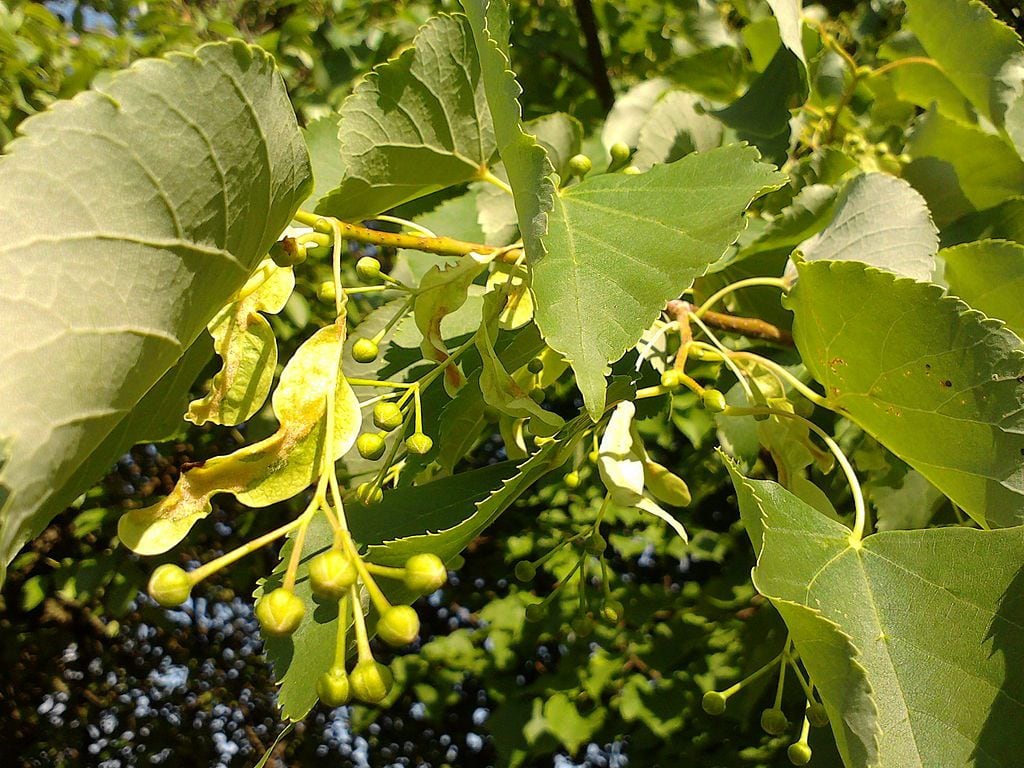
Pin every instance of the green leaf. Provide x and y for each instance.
(526, 162)
(1002, 222)
(618, 241)
(787, 14)
(675, 128)
(110, 276)
(955, 182)
(931, 612)
(324, 147)
(763, 111)
(415, 125)
(879, 220)
(980, 54)
(806, 215)
(562, 719)
(989, 275)
(246, 343)
(938, 384)
(271, 470)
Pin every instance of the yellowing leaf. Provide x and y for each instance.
(442, 292)
(501, 390)
(246, 343)
(273, 469)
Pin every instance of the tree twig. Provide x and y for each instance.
(751, 327)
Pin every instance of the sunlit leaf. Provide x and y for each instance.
(130, 215)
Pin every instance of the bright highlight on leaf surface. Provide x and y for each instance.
(128, 294)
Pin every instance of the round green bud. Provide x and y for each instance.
(332, 688)
(619, 152)
(280, 612)
(631, 170)
(368, 268)
(169, 585)
(425, 573)
(613, 611)
(580, 165)
(799, 753)
(535, 366)
(536, 612)
(774, 722)
(398, 625)
(288, 252)
(572, 480)
(326, 291)
(371, 681)
(387, 416)
(670, 379)
(364, 351)
(370, 445)
(525, 570)
(714, 400)
(583, 626)
(594, 456)
(419, 443)
(368, 494)
(713, 703)
(537, 395)
(332, 573)
(596, 544)
(817, 715)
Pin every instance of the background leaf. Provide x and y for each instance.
(416, 125)
(882, 221)
(989, 275)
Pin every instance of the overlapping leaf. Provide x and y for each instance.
(246, 343)
(896, 597)
(935, 382)
(879, 220)
(273, 469)
(980, 54)
(415, 125)
(620, 246)
(674, 128)
(526, 163)
(989, 275)
(171, 181)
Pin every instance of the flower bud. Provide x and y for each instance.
(370, 445)
(371, 681)
(280, 612)
(333, 687)
(365, 351)
(713, 703)
(387, 416)
(425, 573)
(799, 753)
(368, 268)
(419, 443)
(714, 400)
(398, 625)
(774, 722)
(331, 574)
(169, 585)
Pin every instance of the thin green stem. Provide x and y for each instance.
(490, 178)
(860, 511)
(297, 545)
(904, 62)
(341, 640)
(777, 282)
(362, 638)
(724, 353)
(405, 223)
(737, 687)
(782, 373)
(234, 555)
